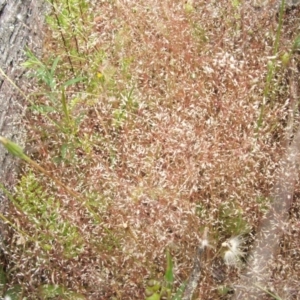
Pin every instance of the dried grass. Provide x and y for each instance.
(187, 146)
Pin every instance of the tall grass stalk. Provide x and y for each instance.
(56, 15)
(12, 83)
(271, 66)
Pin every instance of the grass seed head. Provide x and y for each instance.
(234, 251)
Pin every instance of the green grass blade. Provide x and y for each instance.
(54, 66)
(266, 291)
(169, 276)
(64, 105)
(73, 81)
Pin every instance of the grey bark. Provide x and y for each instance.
(21, 24)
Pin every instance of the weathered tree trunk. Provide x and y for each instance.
(21, 24)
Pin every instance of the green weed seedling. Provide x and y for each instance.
(59, 109)
(44, 292)
(52, 82)
(44, 74)
(74, 22)
(43, 212)
(157, 290)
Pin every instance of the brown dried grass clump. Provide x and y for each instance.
(168, 143)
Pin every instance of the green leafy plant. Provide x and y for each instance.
(50, 228)
(64, 19)
(47, 75)
(57, 102)
(157, 290)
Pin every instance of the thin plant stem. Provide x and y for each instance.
(266, 291)
(63, 37)
(271, 67)
(73, 26)
(12, 83)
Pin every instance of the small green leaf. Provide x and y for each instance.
(169, 276)
(188, 7)
(223, 290)
(64, 105)
(285, 58)
(153, 285)
(33, 62)
(148, 292)
(42, 108)
(154, 297)
(73, 81)
(270, 64)
(236, 3)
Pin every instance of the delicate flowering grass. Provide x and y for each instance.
(148, 111)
